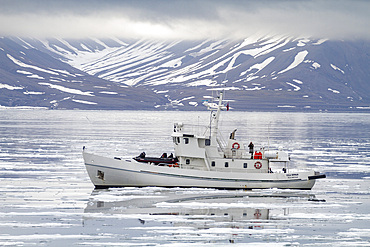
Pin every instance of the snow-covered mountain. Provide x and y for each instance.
(269, 73)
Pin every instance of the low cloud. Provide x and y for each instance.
(182, 19)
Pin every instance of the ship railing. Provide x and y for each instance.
(221, 143)
(199, 130)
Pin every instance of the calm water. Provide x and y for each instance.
(47, 199)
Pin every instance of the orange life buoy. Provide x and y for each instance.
(257, 214)
(176, 165)
(258, 165)
(236, 145)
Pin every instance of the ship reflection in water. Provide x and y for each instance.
(197, 214)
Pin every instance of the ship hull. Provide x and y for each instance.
(108, 172)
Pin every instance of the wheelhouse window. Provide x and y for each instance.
(207, 142)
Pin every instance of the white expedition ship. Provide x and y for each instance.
(201, 159)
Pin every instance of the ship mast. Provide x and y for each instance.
(216, 115)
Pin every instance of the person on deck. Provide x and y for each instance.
(251, 146)
(232, 135)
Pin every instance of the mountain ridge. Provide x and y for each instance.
(269, 73)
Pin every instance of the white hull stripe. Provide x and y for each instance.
(202, 178)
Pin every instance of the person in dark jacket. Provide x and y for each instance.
(251, 147)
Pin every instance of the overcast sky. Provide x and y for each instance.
(185, 19)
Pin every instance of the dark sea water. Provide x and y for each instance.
(47, 199)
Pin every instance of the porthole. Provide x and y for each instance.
(226, 164)
(213, 163)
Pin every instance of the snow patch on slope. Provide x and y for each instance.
(258, 66)
(316, 65)
(22, 64)
(298, 81)
(334, 91)
(320, 41)
(84, 102)
(34, 76)
(298, 59)
(173, 63)
(296, 88)
(207, 49)
(6, 86)
(24, 72)
(33, 93)
(108, 92)
(303, 42)
(66, 90)
(205, 82)
(337, 68)
(255, 88)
